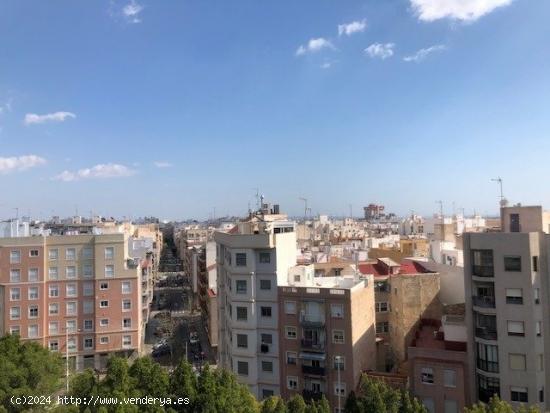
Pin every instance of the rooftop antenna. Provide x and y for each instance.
(305, 207)
(16, 213)
(257, 198)
(440, 208)
(503, 201)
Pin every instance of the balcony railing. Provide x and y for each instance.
(485, 301)
(486, 333)
(312, 321)
(318, 371)
(483, 270)
(312, 394)
(313, 345)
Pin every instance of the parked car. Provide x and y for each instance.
(165, 349)
(163, 342)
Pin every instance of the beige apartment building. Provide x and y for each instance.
(79, 293)
(326, 334)
(507, 308)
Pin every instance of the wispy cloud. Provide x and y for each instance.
(131, 12)
(163, 164)
(381, 51)
(464, 10)
(422, 53)
(314, 45)
(20, 163)
(350, 28)
(100, 171)
(326, 65)
(5, 107)
(33, 118)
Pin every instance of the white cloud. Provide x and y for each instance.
(465, 10)
(326, 65)
(422, 53)
(131, 11)
(163, 164)
(101, 171)
(353, 27)
(379, 50)
(314, 45)
(20, 163)
(32, 118)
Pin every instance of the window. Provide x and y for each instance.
(267, 366)
(71, 344)
(88, 307)
(70, 272)
(290, 332)
(33, 331)
(126, 341)
(53, 345)
(240, 286)
(53, 327)
(450, 406)
(33, 253)
(487, 358)
(53, 309)
(518, 394)
(382, 327)
(537, 295)
(15, 257)
(516, 328)
(291, 357)
(266, 338)
(70, 308)
(33, 311)
(109, 271)
(15, 294)
(381, 307)
(535, 263)
(33, 293)
(126, 305)
(482, 263)
(87, 270)
(297, 278)
(15, 313)
(33, 274)
(127, 323)
(87, 253)
(88, 343)
(104, 286)
(290, 307)
(104, 304)
(265, 284)
(449, 378)
(104, 340)
(337, 310)
(292, 382)
(240, 259)
(242, 368)
(53, 274)
(88, 325)
(15, 276)
(266, 311)
(126, 287)
(53, 254)
(265, 257)
(338, 336)
(242, 314)
(514, 223)
(538, 328)
(70, 325)
(15, 330)
(267, 393)
(109, 253)
(514, 296)
(427, 375)
(88, 289)
(242, 340)
(71, 290)
(339, 362)
(512, 263)
(517, 361)
(70, 254)
(104, 322)
(54, 290)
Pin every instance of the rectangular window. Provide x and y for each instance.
(240, 259)
(88, 307)
(517, 361)
(427, 375)
(87, 253)
(33, 293)
(337, 310)
(240, 286)
(290, 332)
(267, 366)
(88, 325)
(33, 253)
(15, 313)
(104, 340)
(88, 343)
(15, 257)
(53, 273)
(70, 272)
(88, 289)
(338, 336)
(54, 290)
(53, 309)
(104, 286)
(70, 325)
(242, 340)
(15, 330)
(519, 394)
(53, 254)
(126, 305)
(537, 295)
(53, 327)
(512, 263)
(242, 368)
(381, 307)
(265, 257)
(292, 382)
(109, 271)
(33, 311)
(104, 322)
(266, 311)
(71, 290)
(382, 327)
(127, 323)
(87, 270)
(104, 304)
(449, 378)
(290, 307)
(516, 328)
(291, 357)
(126, 287)
(126, 341)
(33, 331)
(70, 254)
(538, 328)
(71, 344)
(109, 253)
(339, 363)
(535, 263)
(70, 308)
(54, 345)
(33, 274)
(15, 276)
(482, 263)
(265, 284)
(242, 314)
(15, 294)
(514, 296)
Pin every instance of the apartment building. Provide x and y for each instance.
(252, 259)
(79, 293)
(326, 334)
(506, 276)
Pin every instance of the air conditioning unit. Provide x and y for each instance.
(264, 348)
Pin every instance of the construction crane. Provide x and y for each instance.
(305, 207)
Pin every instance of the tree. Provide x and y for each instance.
(84, 384)
(296, 404)
(149, 378)
(183, 383)
(273, 404)
(496, 405)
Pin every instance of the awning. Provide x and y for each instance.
(312, 356)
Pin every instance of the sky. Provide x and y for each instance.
(182, 108)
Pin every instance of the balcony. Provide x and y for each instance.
(313, 345)
(315, 321)
(486, 333)
(485, 301)
(483, 270)
(312, 395)
(488, 366)
(313, 370)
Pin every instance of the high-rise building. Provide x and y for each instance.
(507, 298)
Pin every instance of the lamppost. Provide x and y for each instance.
(338, 360)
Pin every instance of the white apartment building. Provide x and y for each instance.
(252, 259)
(507, 308)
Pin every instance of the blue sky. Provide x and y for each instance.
(174, 108)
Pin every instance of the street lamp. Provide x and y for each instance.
(338, 360)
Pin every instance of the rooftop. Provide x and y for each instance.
(386, 266)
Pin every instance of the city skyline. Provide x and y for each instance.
(404, 103)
